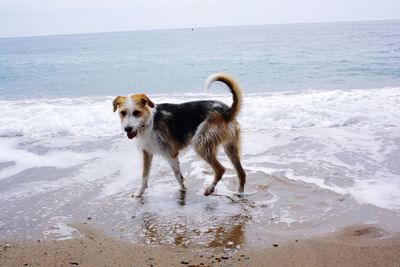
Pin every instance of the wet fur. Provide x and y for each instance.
(168, 128)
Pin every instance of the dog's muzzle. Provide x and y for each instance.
(130, 133)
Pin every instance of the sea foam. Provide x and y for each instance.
(346, 142)
(93, 117)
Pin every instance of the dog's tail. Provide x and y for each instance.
(233, 85)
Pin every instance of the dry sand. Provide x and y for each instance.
(360, 245)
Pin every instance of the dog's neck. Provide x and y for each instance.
(148, 125)
(145, 127)
(147, 138)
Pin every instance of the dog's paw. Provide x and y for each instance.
(138, 194)
(239, 194)
(209, 191)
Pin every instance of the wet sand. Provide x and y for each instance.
(359, 245)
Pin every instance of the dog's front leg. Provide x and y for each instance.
(147, 159)
(174, 163)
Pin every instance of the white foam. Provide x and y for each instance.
(58, 117)
(59, 230)
(85, 116)
(346, 160)
(315, 137)
(22, 159)
(315, 180)
(120, 166)
(321, 109)
(383, 192)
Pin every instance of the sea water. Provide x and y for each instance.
(320, 120)
(271, 58)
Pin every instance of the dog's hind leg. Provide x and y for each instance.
(209, 155)
(232, 150)
(174, 163)
(219, 170)
(206, 142)
(147, 159)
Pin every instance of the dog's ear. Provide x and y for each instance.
(117, 102)
(145, 100)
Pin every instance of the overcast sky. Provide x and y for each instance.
(45, 17)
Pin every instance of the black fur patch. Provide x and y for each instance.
(182, 120)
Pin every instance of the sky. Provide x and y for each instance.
(48, 17)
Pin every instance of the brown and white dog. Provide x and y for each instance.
(168, 128)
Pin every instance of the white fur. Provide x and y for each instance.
(212, 78)
(129, 119)
(166, 113)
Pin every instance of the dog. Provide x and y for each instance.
(166, 129)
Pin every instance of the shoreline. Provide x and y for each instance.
(357, 245)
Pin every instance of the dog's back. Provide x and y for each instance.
(182, 120)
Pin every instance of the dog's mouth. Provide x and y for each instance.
(131, 134)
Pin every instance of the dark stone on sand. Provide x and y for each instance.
(89, 218)
(297, 240)
(225, 257)
(275, 245)
(184, 262)
(73, 262)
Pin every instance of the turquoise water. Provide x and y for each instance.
(264, 58)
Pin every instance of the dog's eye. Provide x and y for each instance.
(123, 113)
(136, 113)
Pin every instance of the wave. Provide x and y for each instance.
(93, 116)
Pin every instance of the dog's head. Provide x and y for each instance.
(135, 112)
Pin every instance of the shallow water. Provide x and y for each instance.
(298, 186)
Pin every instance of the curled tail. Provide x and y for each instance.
(233, 85)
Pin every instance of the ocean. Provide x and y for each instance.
(320, 123)
(293, 57)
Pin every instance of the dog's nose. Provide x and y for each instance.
(128, 129)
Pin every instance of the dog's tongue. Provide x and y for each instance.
(131, 134)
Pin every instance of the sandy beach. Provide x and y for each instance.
(360, 245)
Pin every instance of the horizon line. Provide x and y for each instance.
(194, 27)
